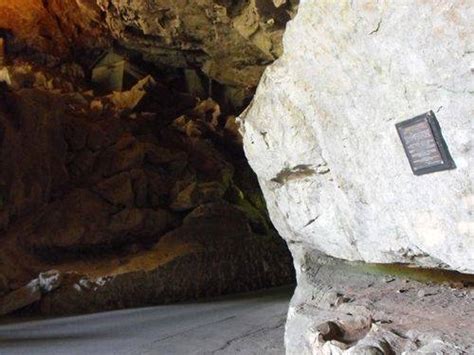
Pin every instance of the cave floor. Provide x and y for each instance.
(355, 308)
(246, 324)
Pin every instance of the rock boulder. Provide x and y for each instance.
(321, 134)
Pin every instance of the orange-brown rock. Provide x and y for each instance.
(54, 27)
(203, 258)
(230, 42)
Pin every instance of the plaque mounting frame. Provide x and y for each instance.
(430, 118)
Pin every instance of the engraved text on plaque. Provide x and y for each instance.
(424, 145)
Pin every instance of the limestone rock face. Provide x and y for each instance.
(321, 134)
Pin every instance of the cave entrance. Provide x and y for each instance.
(123, 177)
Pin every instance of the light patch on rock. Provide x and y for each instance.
(49, 280)
(5, 76)
(130, 99)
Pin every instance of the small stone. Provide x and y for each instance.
(388, 279)
(421, 293)
(85, 283)
(50, 280)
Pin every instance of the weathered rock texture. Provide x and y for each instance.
(52, 27)
(321, 137)
(321, 131)
(135, 198)
(351, 308)
(232, 41)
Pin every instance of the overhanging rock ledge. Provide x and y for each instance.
(321, 135)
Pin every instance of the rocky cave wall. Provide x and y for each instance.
(229, 42)
(232, 41)
(108, 200)
(321, 136)
(53, 28)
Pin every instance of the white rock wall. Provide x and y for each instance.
(321, 134)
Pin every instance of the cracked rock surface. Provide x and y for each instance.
(321, 135)
(230, 42)
(134, 198)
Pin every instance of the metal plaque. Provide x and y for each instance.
(424, 145)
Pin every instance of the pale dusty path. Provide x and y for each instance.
(250, 324)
